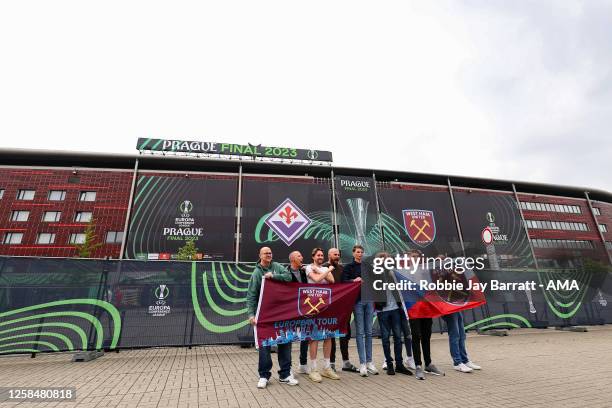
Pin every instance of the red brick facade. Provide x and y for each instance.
(109, 209)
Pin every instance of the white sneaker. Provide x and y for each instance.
(289, 380)
(463, 368)
(363, 370)
(473, 366)
(384, 366)
(303, 369)
(371, 368)
(409, 362)
(262, 383)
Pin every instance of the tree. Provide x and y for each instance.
(85, 249)
(188, 251)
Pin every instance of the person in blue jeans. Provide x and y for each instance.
(389, 314)
(266, 269)
(456, 342)
(364, 313)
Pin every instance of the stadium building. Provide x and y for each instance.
(48, 198)
(140, 217)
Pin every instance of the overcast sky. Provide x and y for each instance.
(504, 89)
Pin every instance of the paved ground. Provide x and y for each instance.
(537, 368)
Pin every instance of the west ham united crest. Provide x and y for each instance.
(288, 221)
(313, 300)
(420, 226)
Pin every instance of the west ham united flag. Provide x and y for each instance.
(290, 312)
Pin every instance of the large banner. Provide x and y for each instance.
(168, 212)
(232, 149)
(289, 312)
(357, 216)
(418, 217)
(285, 214)
(492, 228)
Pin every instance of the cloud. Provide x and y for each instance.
(513, 90)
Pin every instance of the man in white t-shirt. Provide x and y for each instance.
(317, 273)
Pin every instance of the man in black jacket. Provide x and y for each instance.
(333, 259)
(364, 314)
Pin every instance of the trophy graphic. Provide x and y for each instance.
(162, 289)
(359, 213)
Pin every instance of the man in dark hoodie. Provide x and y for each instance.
(266, 269)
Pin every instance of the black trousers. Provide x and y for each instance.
(421, 338)
(344, 341)
(304, 352)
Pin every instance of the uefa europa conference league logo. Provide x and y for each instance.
(491, 233)
(160, 308)
(183, 228)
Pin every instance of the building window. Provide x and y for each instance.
(83, 216)
(20, 215)
(603, 227)
(57, 195)
(25, 194)
(87, 196)
(609, 245)
(114, 237)
(52, 216)
(12, 238)
(45, 238)
(561, 208)
(1, 193)
(596, 211)
(556, 225)
(77, 238)
(562, 243)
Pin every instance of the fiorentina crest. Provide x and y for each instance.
(288, 221)
(313, 300)
(420, 226)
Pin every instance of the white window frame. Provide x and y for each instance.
(16, 213)
(73, 238)
(58, 216)
(62, 195)
(8, 238)
(87, 196)
(50, 239)
(79, 215)
(21, 194)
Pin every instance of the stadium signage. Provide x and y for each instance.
(232, 149)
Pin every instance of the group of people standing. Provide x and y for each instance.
(415, 334)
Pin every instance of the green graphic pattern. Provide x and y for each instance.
(565, 303)
(218, 271)
(16, 331)
(510, 321)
